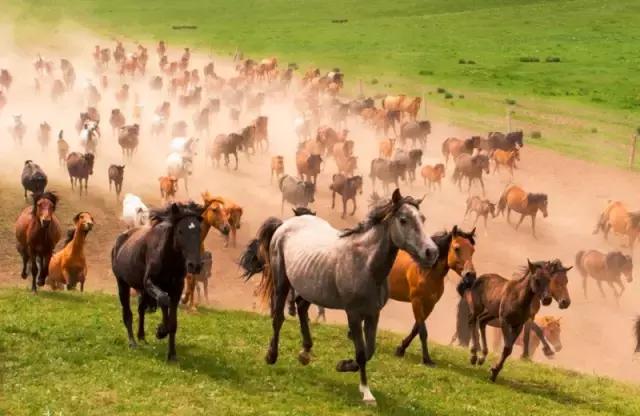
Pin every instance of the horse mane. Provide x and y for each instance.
(167, 213)
(378, 214)
(51, 196)
(536, 198)
(523, 271)
(71, 232)
(444, 238)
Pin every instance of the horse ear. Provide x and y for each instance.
(76, 218)
(530, 265)
(566, 269)
(396, 197)
(419, 201)
(473, 232)
(454, 231)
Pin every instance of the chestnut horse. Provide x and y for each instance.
(492, 297)
(603, 267)
(37, 233)
(423, 286)
(526, 204)
(214, 215)
(550, 327)
(433, 174)
(616, 217)
(233, 213)
(68, 267)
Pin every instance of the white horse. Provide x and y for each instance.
(89, 136)
(180, 166)
(134, 212)
(184, 146)
(335, 269)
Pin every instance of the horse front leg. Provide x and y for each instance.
(355, 207)
(546, 348)
(173, 328)
(34, 273)
(344, 207)
(142, 306)
(360, 362)
(407, 341)
(236, 157)
(520, 221)
(124, 294)
(483, 320)
(370, 331)
(25, 260)
(510, 334)
(307, 343)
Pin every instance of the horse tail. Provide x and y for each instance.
(445, 148)
(463, 332)
(256, 259)
(579, 264)
(502, 203)
(636, 328)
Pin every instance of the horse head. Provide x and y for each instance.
(405, 228)
(539, 274)
(618, 262)
(44, 206)
(186, 221)
(84, 221)
(460, 253)
(215, 215)
(558, 284)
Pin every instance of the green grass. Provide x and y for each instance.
(66, 353)
(415, 46)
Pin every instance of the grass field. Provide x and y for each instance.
(66, 353)
(584, 106)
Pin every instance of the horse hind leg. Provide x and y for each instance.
(510, 334)
(307, 343)
(280, 293)
(142, 306)
(124, 293)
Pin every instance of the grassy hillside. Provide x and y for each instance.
(583, 105)
(66, 353)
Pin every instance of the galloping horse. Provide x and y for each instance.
(492, 297)
(616, 217)
(154, 261)
(214, 215)
(423, 287)
(68, 267)
(526, 204)
(340, 270)
(37, 233)
(603, 267)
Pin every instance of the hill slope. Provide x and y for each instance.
(66, 352)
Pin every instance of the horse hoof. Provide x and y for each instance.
(494, 375)
(549, 353)
(399, 352)
(347, 366)
(172, 358)
(429, 363)
(40, 282)
(271, 358)
(161, 332)
(23, 275)
(304, 357)
(481, 360)
(473, 360)
(133, 345)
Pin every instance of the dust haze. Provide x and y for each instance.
(596, 333)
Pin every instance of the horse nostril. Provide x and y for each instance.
(564, 303)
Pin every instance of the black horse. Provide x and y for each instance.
(33, 178)
(155, 260)
(510, 141)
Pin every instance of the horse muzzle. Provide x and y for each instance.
(44, 222)
(564, 303)
(557, 347)
(225, 230)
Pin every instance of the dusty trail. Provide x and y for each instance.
(596, 333)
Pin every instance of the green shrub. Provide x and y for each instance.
(461, 96)
(462, 61)
(448, 96)
(552, 59)
(536, 134)
(594, 130)
(425, 72)
(471, 62)
(510, 101)
(374, 81)
(529, 59)
(441, 90)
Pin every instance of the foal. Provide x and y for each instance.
(493, 297)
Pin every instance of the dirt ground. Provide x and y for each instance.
(596, 332)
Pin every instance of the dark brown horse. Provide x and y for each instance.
(116, 176)
(492, 297)
(526, 204)
(603, 267)
(470, 167)
(37, 233)
(347, 188)
(80, 167)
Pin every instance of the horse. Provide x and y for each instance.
(68, 267)
(134, 212)
(550, 327)
(507, 159)
(470, 167)
(63, 149)
(228, 216)
(385, 148)
(410, 160)
(37, 233)
(510, 141)
(180, 166)
(80, 166)
(454, 147)
(347, 188)
(492, 297)
(617, 217)
(482, 208)
(188, 298)
(225, 145)
(402, 103)
(636, 330)
(116, 120)
(116, 176)
(416, 131)
(18, 129)
(308, 165)
(44, 135)
(387, 171)
(33, 178)
(297, 192)
(128, 139)
(423, 286)
(559, 291)
(603, 267)
(89, 136)
(340, 270)
(433, 175)
(261, 133)
(154, 260)
(277, 167)
(168, 187)
(5, 80)
(526, 204)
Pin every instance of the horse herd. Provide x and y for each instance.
(302, 260)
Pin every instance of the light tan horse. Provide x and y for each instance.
(526, 204)
(233, 213)
(402, 103)
(617, 217)
(603, 267)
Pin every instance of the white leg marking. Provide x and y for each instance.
(367, 397)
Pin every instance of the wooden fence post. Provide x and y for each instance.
(632, 153)
(424, 103)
